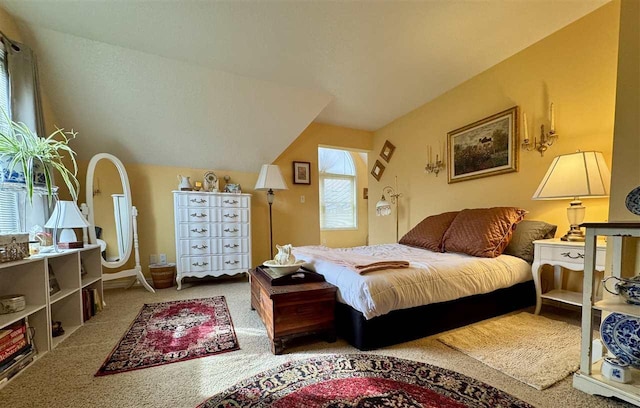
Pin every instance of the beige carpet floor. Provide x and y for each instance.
(64, 376)
(533, 349)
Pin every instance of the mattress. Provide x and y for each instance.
(432, 277)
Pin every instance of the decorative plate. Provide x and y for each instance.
(621, 335)
(633, 201)
(283, 269)
(210, 181)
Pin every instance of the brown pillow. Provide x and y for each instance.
(429, 232)
(483, 232)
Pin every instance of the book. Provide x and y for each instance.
(10, 341)
(11, 335)
(13, 350)
(18, 363)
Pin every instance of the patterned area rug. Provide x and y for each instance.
(170, 332)
(361, 381)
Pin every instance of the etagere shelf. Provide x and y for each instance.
(589, 379)
(30, 277)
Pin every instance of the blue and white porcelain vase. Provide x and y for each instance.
(16, 176)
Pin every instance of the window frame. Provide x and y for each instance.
(323, 175)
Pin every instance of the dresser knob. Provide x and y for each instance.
(231, 215)
(568, 255)
(231, 246)
(200, 263)
(232, 262)
(201, 231)
(201, 215)
(200, 247)
(199, 201)
(231, 230)
(231, 201)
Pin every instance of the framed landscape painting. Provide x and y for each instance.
(484, 148)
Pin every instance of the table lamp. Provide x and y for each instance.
(66, 215)
(575, 175)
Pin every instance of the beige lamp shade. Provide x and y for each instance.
(575, 175)
(580, 174)
(270, 178)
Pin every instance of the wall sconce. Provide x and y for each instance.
(546, 139)
(383, 208)
(434, 166)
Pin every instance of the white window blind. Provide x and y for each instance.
(338, 206)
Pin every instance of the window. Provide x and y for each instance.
(16, 214)
(337, 174)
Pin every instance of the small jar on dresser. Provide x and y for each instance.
(213, 234)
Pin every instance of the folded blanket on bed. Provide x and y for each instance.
(357, 262)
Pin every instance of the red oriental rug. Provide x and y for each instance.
(170, 332)
(361, 381)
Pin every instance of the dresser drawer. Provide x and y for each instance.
(232, 246)
(569, 254)
(235, 215)
(235, 202)
(235, 230)
(199, 263)
(199, 230)
(195, 247)
(239, 261)
(198, 200)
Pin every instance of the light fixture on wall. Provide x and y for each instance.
(66, 215)
(383, 207)
(575, 175)
(436, 166)
(270, 180)
(546, 139)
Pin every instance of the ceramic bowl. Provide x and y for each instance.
(12, 303)
(283, 269)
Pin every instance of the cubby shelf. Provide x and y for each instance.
(30, 277)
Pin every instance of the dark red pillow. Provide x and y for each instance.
(483, 232)
(429, 232)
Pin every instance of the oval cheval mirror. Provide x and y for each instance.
(112, 217)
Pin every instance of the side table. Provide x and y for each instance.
(561, 254)
(292, 311)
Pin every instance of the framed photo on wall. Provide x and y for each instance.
(301, 172)
(377, 170)
(484, 148)
(387, 151)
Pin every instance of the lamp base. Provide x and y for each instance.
(574, 234)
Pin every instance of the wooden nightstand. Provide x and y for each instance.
(292, 311)
(561, 254)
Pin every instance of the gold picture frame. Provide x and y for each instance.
(387, 151)
(377, 170)
(484, 148)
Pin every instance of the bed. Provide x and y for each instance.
(446, 283)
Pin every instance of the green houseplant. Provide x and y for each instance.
(24, 154)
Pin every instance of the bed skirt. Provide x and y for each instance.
(409, 324)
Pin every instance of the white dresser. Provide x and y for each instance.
(213, 233)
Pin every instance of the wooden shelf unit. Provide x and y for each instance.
(589, 379)
(30, 277)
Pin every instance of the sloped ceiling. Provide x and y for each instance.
(230, 85)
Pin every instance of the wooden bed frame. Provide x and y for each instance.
(409, 324)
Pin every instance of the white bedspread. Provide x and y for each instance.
(431, 277)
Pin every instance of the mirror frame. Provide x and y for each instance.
(126, 189)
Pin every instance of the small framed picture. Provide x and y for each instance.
(387, 151)
(377, 170)
(301, 172)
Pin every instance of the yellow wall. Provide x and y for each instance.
(575, 68)
(297, 223)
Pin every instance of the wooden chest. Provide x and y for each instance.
(293, 311)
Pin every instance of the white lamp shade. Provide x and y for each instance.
(580, 174)
(270, 178)
(66, 214)
(383, 208)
